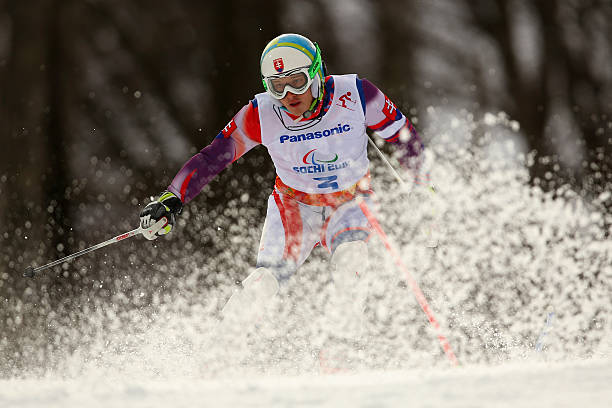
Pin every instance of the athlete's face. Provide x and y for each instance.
(297, 104)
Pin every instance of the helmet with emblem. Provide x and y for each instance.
(292, 63)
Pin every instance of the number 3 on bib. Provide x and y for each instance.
(328, 182)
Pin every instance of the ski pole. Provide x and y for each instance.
(420, 297)
(544, 332)
(30, 271)
(434, 241)
(384, 159)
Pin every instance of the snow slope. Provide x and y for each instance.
(531, 384)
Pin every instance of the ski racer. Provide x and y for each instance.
(314, 127)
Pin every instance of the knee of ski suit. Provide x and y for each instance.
(350, 260)
(262, 284)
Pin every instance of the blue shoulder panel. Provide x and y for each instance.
(361, 96)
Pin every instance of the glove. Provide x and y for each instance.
(157, 218)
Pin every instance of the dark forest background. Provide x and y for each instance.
(102, 101)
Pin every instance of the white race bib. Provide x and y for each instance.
(323, 155)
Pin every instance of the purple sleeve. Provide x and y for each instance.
(389, 123)
(202, 168)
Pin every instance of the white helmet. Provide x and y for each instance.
(292, 62)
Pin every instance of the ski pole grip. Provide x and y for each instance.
(29, 272)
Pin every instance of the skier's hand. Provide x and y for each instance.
(157, 218)
(410, 149)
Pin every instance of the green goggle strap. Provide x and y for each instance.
(316, 64)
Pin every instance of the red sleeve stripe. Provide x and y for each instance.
(393, 138)
(252, 127)
(185, 184)
(380, 124)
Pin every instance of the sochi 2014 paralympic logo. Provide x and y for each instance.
(315, 162)
(309, 158)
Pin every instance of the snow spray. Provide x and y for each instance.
(544, 332)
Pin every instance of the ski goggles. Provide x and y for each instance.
(296, 81)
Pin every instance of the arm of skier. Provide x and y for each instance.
(240, 135)
(390, 124)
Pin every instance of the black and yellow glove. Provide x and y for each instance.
(157, 218)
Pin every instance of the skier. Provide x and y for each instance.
(314, 127)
